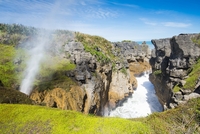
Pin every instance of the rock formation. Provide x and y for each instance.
(100, 86)
(172, 61)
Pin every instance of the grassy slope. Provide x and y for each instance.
(184, 119)
(36, 119)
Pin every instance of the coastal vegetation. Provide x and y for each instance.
(192, 80)
(7, 67)
(184, 119)
(196, 39)
(193, 77)
(97, 46)
(157, 72)
(38, 119)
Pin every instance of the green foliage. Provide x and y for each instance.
(184, 119)
(54, 65)
(157, 72)
(193, 76)
(124, 71)
(176, 88)
(196, 40)
(36, 119)
(97, 46)
(7, 67)
(52, 74)
(98, 54)
(17, 29)
(14, 34)
(126, 41)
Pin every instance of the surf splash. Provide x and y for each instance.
(142, 103)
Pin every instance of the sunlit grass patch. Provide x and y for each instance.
(184, 119)
(193, 77)
(36, 119)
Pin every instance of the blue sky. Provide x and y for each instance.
(115, 20)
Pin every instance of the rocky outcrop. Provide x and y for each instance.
(173, 57)
(132, 52)
(101, 87)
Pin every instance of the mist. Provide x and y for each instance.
(36, 50)
(37, 47)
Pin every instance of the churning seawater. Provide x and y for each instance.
(142, 103)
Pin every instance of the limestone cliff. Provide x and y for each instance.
(172, 61)
(103, 83)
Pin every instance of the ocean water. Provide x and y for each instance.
(151, 46)
(142, 103)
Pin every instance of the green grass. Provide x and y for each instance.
(7, 67)
(52, 74)
(55, 64)
(97, 46)
(184, 119)
(193, 76)
(37, 119)
(123, 70)
(157, 72)
(196, 40)
(176, 88)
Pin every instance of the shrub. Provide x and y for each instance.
(157, 72)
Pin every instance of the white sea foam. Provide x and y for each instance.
(142, 103)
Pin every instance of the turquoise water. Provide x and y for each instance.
(151, 46)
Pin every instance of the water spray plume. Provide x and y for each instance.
(36, 51)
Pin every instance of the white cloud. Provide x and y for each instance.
(176, 24)
(99, 13)
(151, 23)
(126, 5)
(146, 21)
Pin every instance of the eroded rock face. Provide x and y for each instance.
(120, 87)
(173, 56)
(100, 88)
(59, 98)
